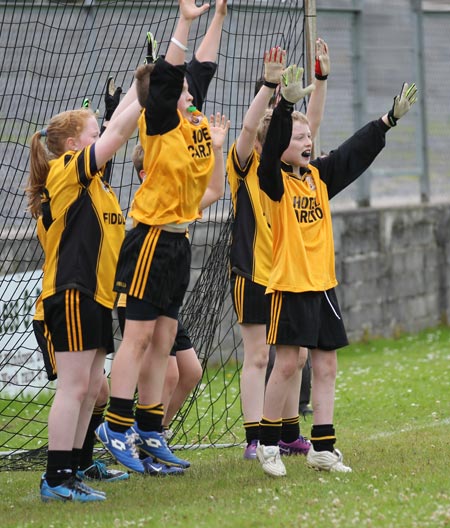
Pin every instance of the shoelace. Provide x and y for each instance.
(77, 485)
(131, 439)
(101, 468)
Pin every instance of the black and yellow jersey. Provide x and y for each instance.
(251, 246)
(178, 155)
(303, 250)
(41, 234)
(297, 206)
(84, 228)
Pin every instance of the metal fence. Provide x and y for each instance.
(375, 45)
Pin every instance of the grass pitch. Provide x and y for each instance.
(393, 427)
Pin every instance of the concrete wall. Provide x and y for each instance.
(393, 265)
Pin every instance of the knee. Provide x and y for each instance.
(288, 367)
(172, 377)
(103, 394)
(257, 357)
(325, 367)
(192, 376)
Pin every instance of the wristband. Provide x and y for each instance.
(391, 118)
(270, 84)
(178, 44)
(318, 72)
(321, 77)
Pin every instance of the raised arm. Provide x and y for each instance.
(274, 63)
(209, 47)
(279, 132)
(346, 163)
(117, 132)
(318, 97)
(176, 53)
(219, 126)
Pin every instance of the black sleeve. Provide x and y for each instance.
(166, 85)
(199, 76)
(345, 164)
(277, 140)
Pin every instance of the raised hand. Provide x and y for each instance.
(402, 103)
(221, 7)
(112, 98)
(291, 84)
(322, 66)
(219, 126)
(274, 64)
(189, 10)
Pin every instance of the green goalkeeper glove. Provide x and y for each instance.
(152, 49)
(291, 84)
(87, 104)
(402, 103)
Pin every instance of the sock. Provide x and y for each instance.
(76, 456)
(269, 431)
(59, 467)
(290, 429)
(323, 437)
(251, 431)
(149, 417)
(87, 451)
(120, 416)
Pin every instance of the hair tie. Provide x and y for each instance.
(43, 132)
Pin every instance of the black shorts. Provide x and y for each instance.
(249, 300)
(76, 322)
(182, 341)
(308, 319)
(45, 344)
(154, 266)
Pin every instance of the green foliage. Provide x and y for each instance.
(392, 408)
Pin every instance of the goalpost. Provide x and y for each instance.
(54, 55)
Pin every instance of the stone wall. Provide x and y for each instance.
(393, 266)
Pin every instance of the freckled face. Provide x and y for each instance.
(89, 134)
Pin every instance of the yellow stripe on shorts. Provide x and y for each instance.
(275, 309)
(143, 263)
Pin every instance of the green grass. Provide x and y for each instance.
(393, 426)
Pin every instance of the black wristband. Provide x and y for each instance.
(391, 118)
(270, 84)
(321, 77)
(287, 105)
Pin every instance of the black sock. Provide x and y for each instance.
(150, 417)
(251, 431)
(59, 467)
(323, 437)
(290, 429)
(269, 431)
(87, 451)
(120, 416)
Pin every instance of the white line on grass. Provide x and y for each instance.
(409, 428)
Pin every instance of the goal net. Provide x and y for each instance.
(52, 56)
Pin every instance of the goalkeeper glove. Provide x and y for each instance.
(402, 103)
(152, 48)
(274, 64)
(112, 98)
(87, 104)
(291, 84)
